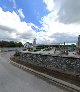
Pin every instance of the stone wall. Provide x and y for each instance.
(69, 65)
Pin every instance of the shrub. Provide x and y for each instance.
(17, 53)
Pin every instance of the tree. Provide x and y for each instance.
(10, 44)
(19, 44)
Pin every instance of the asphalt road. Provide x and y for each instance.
(13, 79)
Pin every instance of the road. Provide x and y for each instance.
(13, 79)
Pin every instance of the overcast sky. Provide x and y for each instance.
(49, 21)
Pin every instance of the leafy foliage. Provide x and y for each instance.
(10, 44)
(17, 53)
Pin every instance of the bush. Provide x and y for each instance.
(17, 53)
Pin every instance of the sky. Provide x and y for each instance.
(49, 21)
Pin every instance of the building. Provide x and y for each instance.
(78, 45)
(34, 44)
(78, 42)
(28, 45)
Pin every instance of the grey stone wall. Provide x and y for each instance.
(68, 65)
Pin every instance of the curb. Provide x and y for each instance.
(71, 87)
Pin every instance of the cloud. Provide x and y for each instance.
(12, 28)
(62, 23)
(68, 11)
(64, 37)
(14, 3)
(20, 12)
(6, 28)
(49, 4)
(58, 30)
